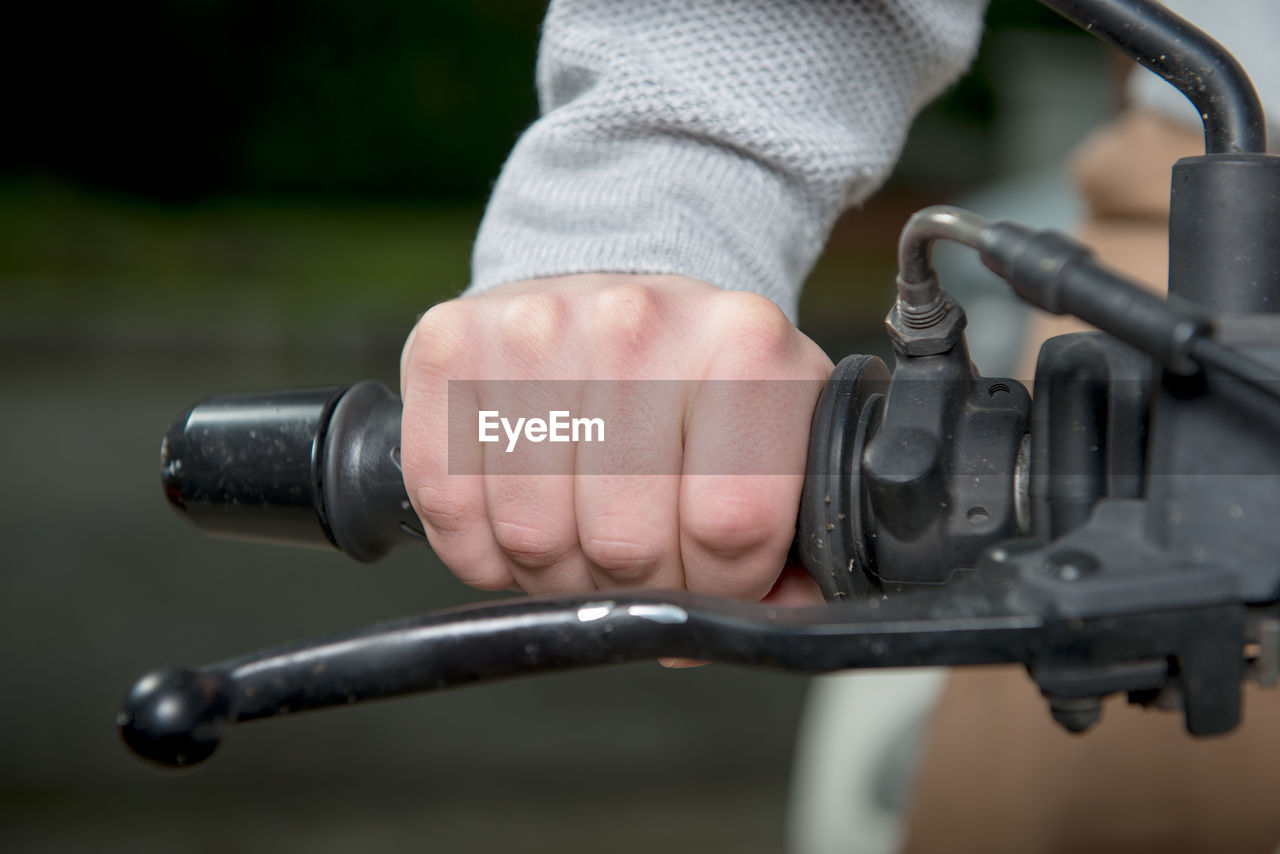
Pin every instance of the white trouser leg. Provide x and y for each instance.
(856, 754)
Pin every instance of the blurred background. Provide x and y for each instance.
(220, 194)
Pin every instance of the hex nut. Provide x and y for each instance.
(938, 337)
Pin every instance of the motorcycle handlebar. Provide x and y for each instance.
(312, 467)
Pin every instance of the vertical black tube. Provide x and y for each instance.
(1224, 225)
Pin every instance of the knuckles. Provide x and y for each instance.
(532, 325)
(756, 340)
(756, 323)
(439, 338)
(626, 557)
(626, 314)
(529, 544)
(447, 510)
(726, 522)
(455, 523)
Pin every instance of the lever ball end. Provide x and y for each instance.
(175, 717)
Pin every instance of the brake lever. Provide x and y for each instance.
(178, 717)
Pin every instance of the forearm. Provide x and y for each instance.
(717, 141)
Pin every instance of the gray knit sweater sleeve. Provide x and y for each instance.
(717, 139)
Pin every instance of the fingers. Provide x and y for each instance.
(627, 488)
(531, 518)
(695, 484)
(745, 453)
(529, 486)
(451, 506)
(735, 531)
(529, 495)
(795, 588)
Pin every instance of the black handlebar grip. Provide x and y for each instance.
(317, 467)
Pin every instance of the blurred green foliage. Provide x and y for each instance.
(381, 98)
(177, 100)
(84, 261)
(279, 158)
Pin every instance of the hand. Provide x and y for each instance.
(719, 514)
